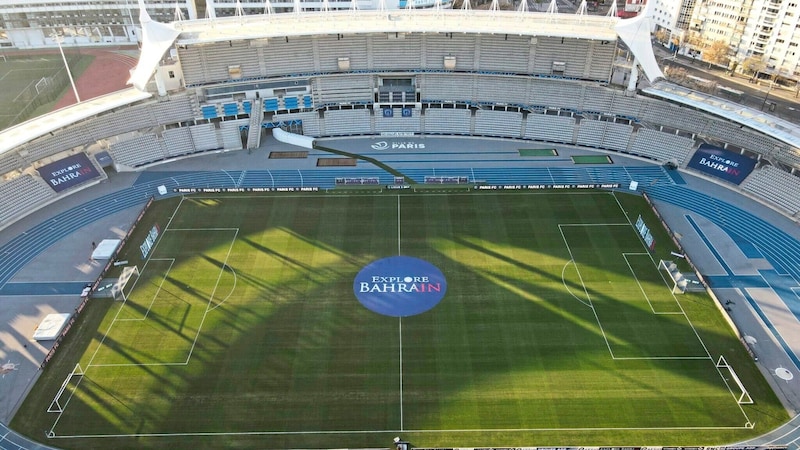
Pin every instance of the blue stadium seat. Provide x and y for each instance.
(209, 112)
(230, 109)
(271, 104)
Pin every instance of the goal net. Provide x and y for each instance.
(120, 289)
(742, 396)
(58, 403)
(679, 282)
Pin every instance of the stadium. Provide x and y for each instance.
(429, 228)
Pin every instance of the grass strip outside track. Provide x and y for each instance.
(538, 152)
(592, 159)
(19, 74)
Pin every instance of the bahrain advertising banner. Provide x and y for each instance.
(68, 172)
(721, 163)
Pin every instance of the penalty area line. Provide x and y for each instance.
(564, 281)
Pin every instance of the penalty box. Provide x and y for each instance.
(635, 310)
(185, 276)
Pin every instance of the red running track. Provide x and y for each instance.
(109, 72)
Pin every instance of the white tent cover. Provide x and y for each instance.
(105, 249)
(51, 326)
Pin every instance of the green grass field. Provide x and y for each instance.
(19, 74)
(243, 331)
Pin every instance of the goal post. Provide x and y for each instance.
(743, 397)
(41, 85)
(57, 405)
(679, 282)
(118, 289)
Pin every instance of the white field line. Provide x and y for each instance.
(663, 358)
(641, 288)
(400, 331)
(340, 432)
(594, 225)
(211, 297)
(116, 318)
(683, 311)
(398, 224)
(235, 281)
(175, 212)
(613, 194)
(564, 280)
(400, 322)
(155, 295)
(203, 229)
(586, 291)
(372, 194)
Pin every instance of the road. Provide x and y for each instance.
(786, 101)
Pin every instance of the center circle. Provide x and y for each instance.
(399, 286)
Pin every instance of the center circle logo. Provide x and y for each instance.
(399, 286)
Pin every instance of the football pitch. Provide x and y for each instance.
(21, 81)
(248, 327)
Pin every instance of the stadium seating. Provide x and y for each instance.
(396, 51)
(555, 93)
(598, 99)
(397, 122)
(548, 128)
(441, 87)
(347, 122)
(230, 135)
(504, 54)
(11, 161)
(498, 123)
(776, 186)
(661, 147)
(177, 108)
(22, 195)
(138, 150)
(663, 113)
(342, 89)
(502, 90)
(625, 106)
(205, 137)
(178, 141)
(447, 121)
(310, 121)
(460, 46)
(331, 48)
(603, 134)
(491, 72)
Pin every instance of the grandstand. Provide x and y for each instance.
(539, 77)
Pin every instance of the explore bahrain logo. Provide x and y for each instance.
(399, 286)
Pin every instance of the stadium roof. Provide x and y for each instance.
(397, 21)
(27, 131)
(158, 37)
(769, 125)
